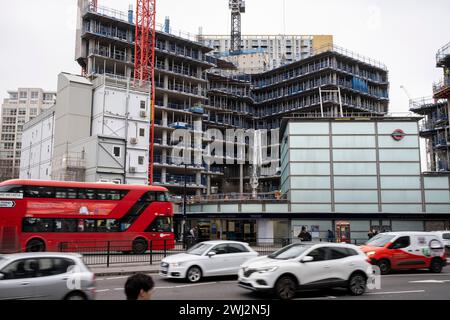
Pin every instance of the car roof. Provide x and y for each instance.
(223, 241)
(410, 233)
(31, 255)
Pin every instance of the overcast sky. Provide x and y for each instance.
(38, 36)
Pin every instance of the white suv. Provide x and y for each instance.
(307, 266)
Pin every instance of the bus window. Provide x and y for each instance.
(37, 225)
(161, 224)
(88, 225)
(39, 192)
(88, 194)
(65, 193)
(162, 197)
(112, 225)
(11, 189)
(101, 225)
(66, 225)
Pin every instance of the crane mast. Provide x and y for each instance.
(237, 7)
(144, 62)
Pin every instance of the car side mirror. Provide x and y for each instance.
(307, 259)
(211, 254)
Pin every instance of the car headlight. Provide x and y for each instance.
(371, 253)
(176, 264)
(267, 269)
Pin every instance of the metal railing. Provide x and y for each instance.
(441, 85)
(231, 197)
(109, 253)
(351, 54)
(443, 53)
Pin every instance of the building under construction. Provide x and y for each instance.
(197, 92)
(435, 125)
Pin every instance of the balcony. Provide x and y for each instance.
(116, 55)
(441, 89)
(443, 56)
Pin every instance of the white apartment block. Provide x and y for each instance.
(98, 131)
(37, 147)
(22, 106)
(282, 49)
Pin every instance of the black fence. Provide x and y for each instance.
(108, 253)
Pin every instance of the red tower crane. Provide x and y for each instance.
(144, 61)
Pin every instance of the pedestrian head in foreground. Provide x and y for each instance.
(139, 287)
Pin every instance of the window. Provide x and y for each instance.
(341, 253)
(33, 112)
(22, 112)
(220, 249)
(142, 132)
(34, 95)
(23, 95)
(236, 248)
(143, 105)
(66, 225)
(37, 225)
(400, 243)
(141, 160)
(21, 269)
(88, 194)
(161, 224)
(39, 192)
(65, 193)
(116, 152)
(318, 254)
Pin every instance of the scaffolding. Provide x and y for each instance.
(69, 167)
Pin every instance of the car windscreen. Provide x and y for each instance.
(289, 252)
(380, 240)
(199, 249)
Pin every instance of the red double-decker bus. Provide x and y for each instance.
(44, 215)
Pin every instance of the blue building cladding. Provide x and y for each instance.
(360, 85)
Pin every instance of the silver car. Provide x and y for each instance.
(45, 276)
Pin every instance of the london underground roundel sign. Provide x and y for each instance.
(398, 135)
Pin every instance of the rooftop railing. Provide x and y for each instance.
(351, 54)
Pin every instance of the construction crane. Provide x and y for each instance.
(144, 62)
(237, 7)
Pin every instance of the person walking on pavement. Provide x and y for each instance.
(330, 236)
(304, 235)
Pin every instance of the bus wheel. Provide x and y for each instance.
(35, 245)
(139, 246)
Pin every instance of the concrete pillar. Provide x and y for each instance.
(265, 230)
(163, 175)
(165, 100)
(241, 178)
(164, 137)
(208, 185)
(164, 119)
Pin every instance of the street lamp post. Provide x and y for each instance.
(183, 225)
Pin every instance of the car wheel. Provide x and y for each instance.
(384, 265)
(436, 266)
(75, 296)
(357, 284)
(285, 288)
(35, 245)
(139, 246)
(194, 274)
